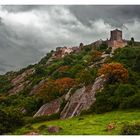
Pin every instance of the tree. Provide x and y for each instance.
(48, 91)
(85, 76)
(102, 47)
(55, 88)
(40, 70)
(115, 72)
(10, 121)
(131, 42)
(136, 66)
(64, 84)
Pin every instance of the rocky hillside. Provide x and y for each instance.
(68, 82)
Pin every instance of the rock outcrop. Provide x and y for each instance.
(36, 87)
(49, 108)
(82, 99)
(54, 129)
(19, 82)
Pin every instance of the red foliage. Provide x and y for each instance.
(53, 89)
(114, 71)
(64, 84)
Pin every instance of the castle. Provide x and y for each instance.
(116, 40)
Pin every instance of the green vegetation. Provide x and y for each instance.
(58, 76)
(120, 96)
(9, 121)
(92, 124)
(131, 129)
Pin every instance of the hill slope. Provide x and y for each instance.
(71, 81)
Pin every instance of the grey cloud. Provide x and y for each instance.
(115, 15)
(27, 32)
(20, 8)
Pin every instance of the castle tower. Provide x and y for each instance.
(116, 35)
(116, 40)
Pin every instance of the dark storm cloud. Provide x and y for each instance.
(27, 32)
(115, 15)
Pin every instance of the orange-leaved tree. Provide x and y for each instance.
(115, 72)
(55, 88)
(64, 84)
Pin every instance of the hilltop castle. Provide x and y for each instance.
(116, 40)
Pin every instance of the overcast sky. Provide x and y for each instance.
(27, 33)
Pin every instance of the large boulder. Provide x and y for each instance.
(54, 129)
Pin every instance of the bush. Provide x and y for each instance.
(10, 121)
(131, 102)
(136, 66)
(102, 103)
(108, 50)
(117, 96)
(128, 56)
(86, 76)
(43, 118)
(40, 70)
(31, 104)
(42, 127)
(102, 47)
(131, 129)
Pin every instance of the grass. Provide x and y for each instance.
(93, 124)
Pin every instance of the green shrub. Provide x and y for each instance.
(131, 129)
(42, 127)
(102, 103)
(10, 121)
(102, 47)
(128, 56)
(117, 96)
(108, 50)
(136, 66)
(86, 76)
(43, 118)
(40, 70)
(131, 102)
(32, 104)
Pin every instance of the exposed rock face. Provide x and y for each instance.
(54, 129)
(36, 87)
(49, 108)
(20, 78)
(82, 99)
(20, 81)
(18, 88)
